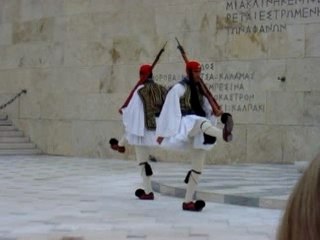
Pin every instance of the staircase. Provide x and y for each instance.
(13, 141)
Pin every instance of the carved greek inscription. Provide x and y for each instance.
(264, 16)
(231, 89)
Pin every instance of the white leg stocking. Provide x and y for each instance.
(207, 128)
(142, 154)
(198, 158)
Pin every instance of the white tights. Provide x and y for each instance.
(198, 159)
(207, 128)
(142, 154)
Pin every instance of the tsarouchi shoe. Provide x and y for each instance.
(227, 120)
(114, 145)
(196, 206)
(141, 194)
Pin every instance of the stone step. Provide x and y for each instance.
(3, 116)
(19, 151)
(7, 128)
(5, 123)
(11, 134)
(17, 145)
(14, 139)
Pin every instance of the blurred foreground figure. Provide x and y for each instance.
(301, 219)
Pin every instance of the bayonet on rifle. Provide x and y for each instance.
(183, 53)
(159, 54)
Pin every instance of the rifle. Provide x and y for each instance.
(143, 79)
(183, 53)
(158, 55)
(216, 108)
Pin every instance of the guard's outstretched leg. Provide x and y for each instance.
(212, 133)
(142, 154)
(226, 134)
(192, 180)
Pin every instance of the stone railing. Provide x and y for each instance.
(3, 106)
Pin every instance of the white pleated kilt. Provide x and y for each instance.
(149, 139)
(180, 141)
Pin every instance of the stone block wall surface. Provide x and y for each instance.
(78, 60)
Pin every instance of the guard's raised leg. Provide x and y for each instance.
(226, 134)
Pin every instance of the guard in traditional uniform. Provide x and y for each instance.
(188, 121)
(139, 119)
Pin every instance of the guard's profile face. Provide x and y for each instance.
(196, 75)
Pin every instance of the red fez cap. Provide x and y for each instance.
(145, 70)
(193, 66)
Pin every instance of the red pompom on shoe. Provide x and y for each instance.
(141, 194)
(114, 144)
(194, 206)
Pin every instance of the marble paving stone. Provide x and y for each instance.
(259, 185)
(50, 197)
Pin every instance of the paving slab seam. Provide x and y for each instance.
(220, 198)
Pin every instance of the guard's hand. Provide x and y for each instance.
(218, 114)
(160, 139)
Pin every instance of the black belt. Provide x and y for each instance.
(187, 112)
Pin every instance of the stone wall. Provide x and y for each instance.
(78, 59)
